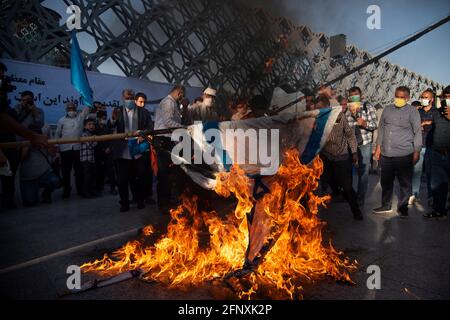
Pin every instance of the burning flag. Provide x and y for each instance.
(306, 132)
(270, 242)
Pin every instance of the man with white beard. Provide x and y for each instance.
(205, 110)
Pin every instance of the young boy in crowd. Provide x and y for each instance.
(87, 159)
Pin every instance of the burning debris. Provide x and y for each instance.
(272, 243)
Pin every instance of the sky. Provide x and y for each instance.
(428, 56)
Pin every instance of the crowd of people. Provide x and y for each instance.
(401, 140)
(406, 141)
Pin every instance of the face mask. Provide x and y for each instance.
(208, 102)
(447, 102)
(399, 102)
(72, 114)
(425, 102)
(354, 99)
(129, 104)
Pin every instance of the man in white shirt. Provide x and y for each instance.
(71, 126)
(167, 116)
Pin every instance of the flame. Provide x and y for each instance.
(268, 65)
(201, 246)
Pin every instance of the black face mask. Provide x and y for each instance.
(102, 114)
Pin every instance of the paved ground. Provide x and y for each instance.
(37, 245)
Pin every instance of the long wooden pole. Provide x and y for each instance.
(106, 137)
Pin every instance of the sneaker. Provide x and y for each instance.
(412, 200)
(382, 209)
(113, 192)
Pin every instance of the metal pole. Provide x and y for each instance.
(370, 61)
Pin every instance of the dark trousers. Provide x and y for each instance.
(339, 174)
(164, 179)
(402, 168)
(104, 167)
(148, 190)
(171, 180)
(88, 169)
(126, 169)
(149, 177)
(8, 183)
(29, 189)
(440, 172)
(71, 160)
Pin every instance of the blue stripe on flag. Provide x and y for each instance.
(226, 160)
(313, 145)
(78, 74)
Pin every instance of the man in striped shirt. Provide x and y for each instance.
(337, 160)
(363, 120)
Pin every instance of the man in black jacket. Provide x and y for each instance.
(440, 158)
(125, 119)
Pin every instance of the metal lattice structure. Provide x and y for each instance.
(224, 44)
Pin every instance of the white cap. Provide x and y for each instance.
(210, 92)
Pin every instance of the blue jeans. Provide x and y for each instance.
(440, 172)
(364, 155)
(29, 189)
(424, 164)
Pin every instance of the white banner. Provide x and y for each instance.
(52, 88)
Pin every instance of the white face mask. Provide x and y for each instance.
(447, 102)
(207, 102)
(425, 102)
(72, 114)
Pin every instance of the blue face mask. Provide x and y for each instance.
(129, 104)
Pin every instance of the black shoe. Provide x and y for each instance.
(9, 206)
(46, 197)
(150, 201)
(435, 215)
(141, 205)
(113, 192)
(382, 210)
(124, 208)
(402, 214)
(66, 195)
(358, 217)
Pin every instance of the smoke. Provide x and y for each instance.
(327, 16)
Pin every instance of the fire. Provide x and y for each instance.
(201, 246)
